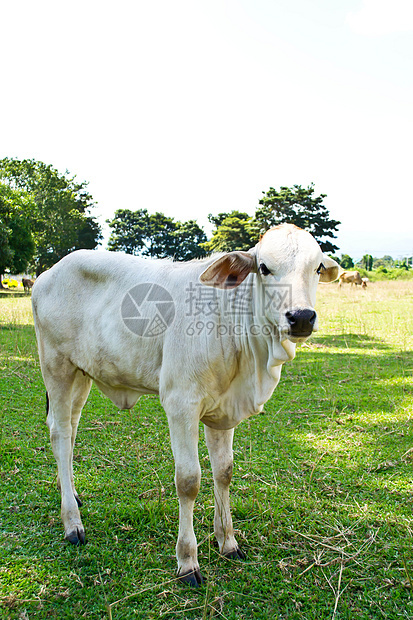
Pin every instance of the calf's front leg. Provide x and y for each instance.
(219, 444)
(184, 440)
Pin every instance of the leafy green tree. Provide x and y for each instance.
(60, 220)
(129, 231)
(388, 260)
(6, 253)
(367, 262)
(16, 240)
(160, 241)
(334, 257)
(379, 262)
(297, 205)
(346, 261)
(400, 263)
(233, 231)
(189, 240)
(218, 219)
(156, 235)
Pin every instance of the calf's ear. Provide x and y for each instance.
(331, 271)
(229, 270)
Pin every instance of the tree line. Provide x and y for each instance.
(137, 232)
(45, 215)
(370, 263)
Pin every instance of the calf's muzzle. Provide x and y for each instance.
(301, 322)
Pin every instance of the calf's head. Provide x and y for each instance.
(289, 264)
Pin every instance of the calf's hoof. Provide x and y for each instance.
(235, 554)
(192, 578)
(76, 537)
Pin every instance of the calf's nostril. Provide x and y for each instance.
(290, 318)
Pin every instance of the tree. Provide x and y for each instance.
(389, 261)
(6, 253)
(233, 231)
(60, 219)
(189, 240)
(299, 206)
(346, 261)
(367, 262)
(16, 240)
(156, 235)
(400, 263)
(160, 241)
(129, 231)
(379, 262)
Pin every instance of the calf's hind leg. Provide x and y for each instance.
(219, 444)
(80, 392)
(62, 432)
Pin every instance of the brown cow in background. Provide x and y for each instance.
(350, 277)
(27, 284)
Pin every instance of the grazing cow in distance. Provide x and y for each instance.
(209, 336)
(350, 277)
(27, 285)
(364, 282)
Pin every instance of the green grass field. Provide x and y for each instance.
(322, 489)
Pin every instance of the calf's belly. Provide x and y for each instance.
(122, 397)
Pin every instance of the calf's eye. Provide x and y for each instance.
(320, 269)
(264, 270)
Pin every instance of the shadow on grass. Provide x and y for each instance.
(6, 293)
(371, 377)
(344, 341)
(21, 327)
(353, 409)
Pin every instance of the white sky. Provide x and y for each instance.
(196, 106)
